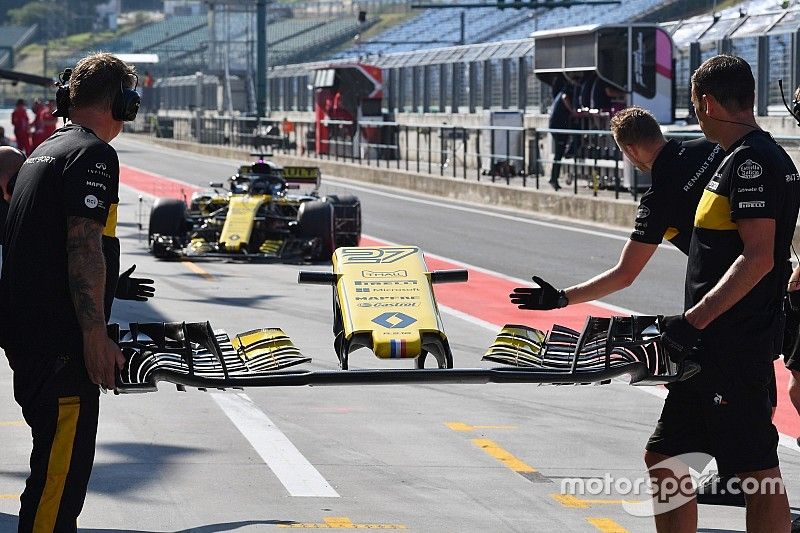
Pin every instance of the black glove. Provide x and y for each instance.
(543, 298)
(139, 289)
(678, 337)
(791, 329)
(794, 301)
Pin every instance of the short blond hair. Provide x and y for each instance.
(634, 125)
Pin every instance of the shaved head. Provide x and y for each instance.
(11, 160)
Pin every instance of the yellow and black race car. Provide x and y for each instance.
(257, 218)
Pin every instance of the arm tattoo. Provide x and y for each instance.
(87, 270)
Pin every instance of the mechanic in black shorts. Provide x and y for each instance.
(735, 284)
(680, 170)
(53, 290)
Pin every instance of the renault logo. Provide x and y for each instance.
(394, 320)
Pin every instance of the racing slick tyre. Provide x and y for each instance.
(347, 219)
(315, 220)
(167, 219)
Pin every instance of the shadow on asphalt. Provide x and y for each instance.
(8, 522)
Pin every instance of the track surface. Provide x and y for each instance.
(425, 458)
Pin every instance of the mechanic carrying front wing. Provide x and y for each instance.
(680, 171)
(54, 283)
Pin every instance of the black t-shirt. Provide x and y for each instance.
(680, 172)
(756, 179)
(72, 173)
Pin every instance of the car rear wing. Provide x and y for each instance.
(194, 355)
(300, 177)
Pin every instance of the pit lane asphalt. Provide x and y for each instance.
(171, 461)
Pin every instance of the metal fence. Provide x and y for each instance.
(515, 156)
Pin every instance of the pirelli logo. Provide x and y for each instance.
(746, 205)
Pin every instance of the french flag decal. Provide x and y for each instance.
(398, 347)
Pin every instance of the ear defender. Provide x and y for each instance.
(62, 95)
(126, 103)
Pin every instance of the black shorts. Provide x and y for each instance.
(724, 411)
(60, 405)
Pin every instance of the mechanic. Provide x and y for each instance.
(53, 287)
(736, 281)
(561, 117)
(22, 126)
(680, 170)
(791, 350)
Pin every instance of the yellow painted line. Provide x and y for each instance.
(606, 525)
(9, 496)
(461, 426)
(12, 423)
(493, 450)
(197, 270)
(339, 522)
(573, 502)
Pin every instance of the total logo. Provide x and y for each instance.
(394, 274)
(90, 201)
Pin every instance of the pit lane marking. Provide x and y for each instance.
(461, 426)
(197, 270)
(493, 450)
(606, 525)
(573, 502)
(340, 522)
(297, 475)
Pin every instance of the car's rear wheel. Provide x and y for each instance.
(347, 219)
(167, 219)
(315, 220)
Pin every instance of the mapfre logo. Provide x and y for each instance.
(749, 170)
(393, 274)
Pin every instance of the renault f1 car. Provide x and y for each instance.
(259, 217)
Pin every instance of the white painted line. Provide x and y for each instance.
(292, 469)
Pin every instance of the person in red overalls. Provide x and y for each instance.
(44, 124)
(22, 125)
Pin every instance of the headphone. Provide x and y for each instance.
(124, 106)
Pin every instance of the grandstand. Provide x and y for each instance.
(442, 26)
(186, 43)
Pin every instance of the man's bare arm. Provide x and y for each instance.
(633, 259)
(756, 260)
(87, 270)
(87, 273)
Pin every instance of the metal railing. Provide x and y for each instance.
(517, 156)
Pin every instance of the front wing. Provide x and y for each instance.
(194, 355)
